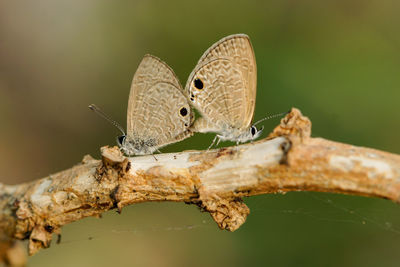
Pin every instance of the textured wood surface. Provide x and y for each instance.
(215, 180)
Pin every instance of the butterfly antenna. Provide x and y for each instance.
(99, 112)
(272, 116)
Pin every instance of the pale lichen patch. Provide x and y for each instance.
(375, 167)
(38, 198)
(60, 197)
(341, 163)
(84, 182)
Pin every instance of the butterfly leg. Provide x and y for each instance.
(219, 140)
(213, 142)
(155, 156)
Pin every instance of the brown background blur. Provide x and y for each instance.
(338, 61)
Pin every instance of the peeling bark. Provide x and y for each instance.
(288, 160)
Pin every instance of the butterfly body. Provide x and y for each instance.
(238, 135)
(133, 145)
(227, 132)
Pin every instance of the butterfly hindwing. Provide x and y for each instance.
(158, 110)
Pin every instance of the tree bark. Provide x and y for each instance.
(215, 180)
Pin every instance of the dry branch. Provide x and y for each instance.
(288, 160)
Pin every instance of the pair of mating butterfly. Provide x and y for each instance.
(222, 87)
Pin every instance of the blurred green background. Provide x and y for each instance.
(337, 61)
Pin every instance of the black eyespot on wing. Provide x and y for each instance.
(198, 84)
(183, 112)
(253, 130)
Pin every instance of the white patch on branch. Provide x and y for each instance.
(37, 198)
(377, 167)
(170, 161)
(229, 175)
(84, 181)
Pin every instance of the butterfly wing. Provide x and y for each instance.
(158, 108)
(223, 84)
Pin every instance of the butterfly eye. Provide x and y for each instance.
(183, 111)
(198, 84)
(121, 139)
(253, 130)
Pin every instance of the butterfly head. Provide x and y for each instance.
(254, 133)
(121, 140)
(240, 136)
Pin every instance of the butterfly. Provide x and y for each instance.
(222, 87)
(158, 110)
